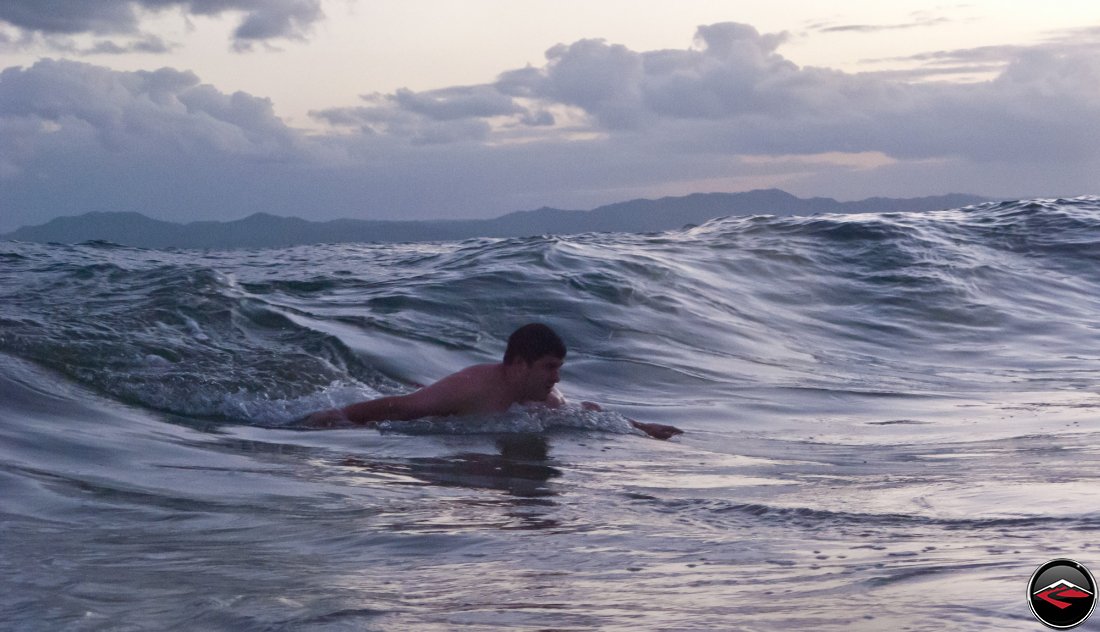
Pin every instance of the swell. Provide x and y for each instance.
(181, 339)
(995, 296)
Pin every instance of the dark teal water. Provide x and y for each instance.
(885, 415)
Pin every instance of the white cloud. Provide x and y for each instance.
(165, 111)
(736, 94)
(595, 123)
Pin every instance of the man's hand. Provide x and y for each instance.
(657, 431)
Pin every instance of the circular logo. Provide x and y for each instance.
(1061, 594)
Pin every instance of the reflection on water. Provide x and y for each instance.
(519, 468)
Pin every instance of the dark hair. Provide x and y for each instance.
(533, 341)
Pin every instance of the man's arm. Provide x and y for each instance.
(396, 408)
(446, 397)
(370, 411)
(657, 431)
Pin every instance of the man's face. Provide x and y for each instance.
(542, 375)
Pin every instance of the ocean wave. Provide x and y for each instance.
(734, 514)
(898, 302)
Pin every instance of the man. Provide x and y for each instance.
(528, 375)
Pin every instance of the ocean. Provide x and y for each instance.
(890, 422)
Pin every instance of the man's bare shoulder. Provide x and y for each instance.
(473, 382)
(473, 376)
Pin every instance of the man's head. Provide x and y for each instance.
(532, 342)
(533, 360)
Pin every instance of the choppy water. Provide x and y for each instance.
(891, 422)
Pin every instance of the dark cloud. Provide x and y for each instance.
(270, 19)
(262, 20)
(1002, 54)
(150, 45)
(64, 16)
(457, 103)
(917, 20)
(878, 28)
(988, 61)
(436, 116)
(116, 45)
(597, 122)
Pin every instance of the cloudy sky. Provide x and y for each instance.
(382, 109)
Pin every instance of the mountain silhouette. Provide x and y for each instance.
(263, 230)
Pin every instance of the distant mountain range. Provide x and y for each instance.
(262, 230)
